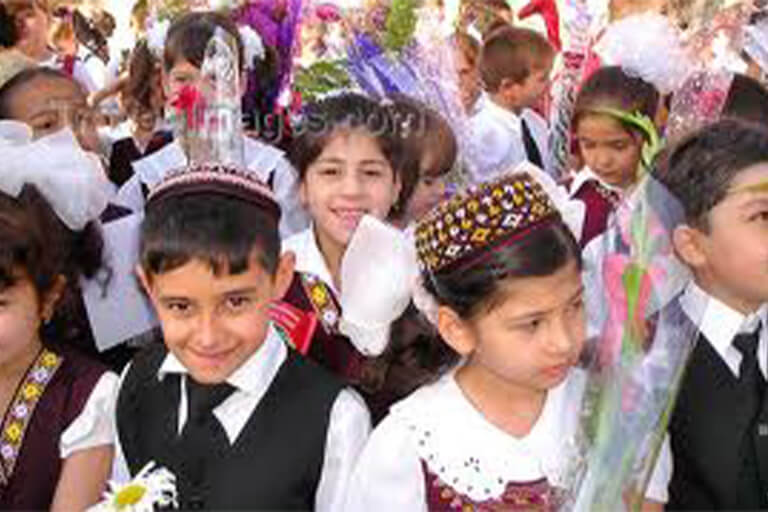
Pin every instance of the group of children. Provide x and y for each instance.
(470, 385)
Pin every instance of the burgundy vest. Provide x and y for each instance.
(37, 467)
(600, 203)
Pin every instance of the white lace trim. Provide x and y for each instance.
(470, 454)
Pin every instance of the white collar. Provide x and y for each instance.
(309, 258)
(586, 174)
(253, 376)
(509, 118)
(719, 323)
(437, 415)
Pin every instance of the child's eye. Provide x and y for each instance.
(329, 171)
(587, 144)
(619, 146)
(372, 173)
(576, 306)
(238, 303)
(179, 307)
(760, 216)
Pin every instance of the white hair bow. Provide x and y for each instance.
(70, 179)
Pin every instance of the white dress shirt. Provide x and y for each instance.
(95, 425)
(348, 428)
(719, 323)
(267, 162)
(437, 425)
(497, 139)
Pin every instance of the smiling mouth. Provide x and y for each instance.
(350, 217)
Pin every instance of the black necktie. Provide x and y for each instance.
(531, 149)
(752, 384)
(750, 376)
(202, 437)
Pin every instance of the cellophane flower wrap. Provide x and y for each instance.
(637, 358)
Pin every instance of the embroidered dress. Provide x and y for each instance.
(436, 452)
(62, 405)
(600, 202)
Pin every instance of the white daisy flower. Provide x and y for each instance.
(151, 487)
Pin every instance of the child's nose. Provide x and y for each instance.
(351, 184)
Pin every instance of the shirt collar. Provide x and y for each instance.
(251, 377)
(718, 322)
(586, 174)
(309, 259)
(495, 110)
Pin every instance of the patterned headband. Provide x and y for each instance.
(218, 179)
(481, 217)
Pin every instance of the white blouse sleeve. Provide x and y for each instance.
(348, 430)
(389, 474)
(662, 474)
(95, 426)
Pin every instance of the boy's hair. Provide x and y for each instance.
(188, 37)
(513, 53)
(143, 72)
(611, 87)
(24, 78)
(222, 230)
(700, 169)
(747, 100)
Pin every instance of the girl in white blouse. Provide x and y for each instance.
(504, 273)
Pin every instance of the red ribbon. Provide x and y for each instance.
(191, 103)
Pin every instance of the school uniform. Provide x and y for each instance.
(62, 406)
(435, 451)
(283, 435)
(600, 200)
(311, 311)
(268, 163)
(502, 139)
(717, 440)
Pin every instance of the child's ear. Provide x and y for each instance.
(284, 274)
(688, 243)
(52, 297)
(303, 199)
(455, 331)
(144, 280)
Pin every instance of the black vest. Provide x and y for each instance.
(274, 464)
(709, 431)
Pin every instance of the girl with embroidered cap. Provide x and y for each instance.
(57, 429)
(353, 271)
(502, 278)
(613, 120)
(243, 421)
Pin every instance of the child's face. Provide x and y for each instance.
(182, 74)
(732, 258)
(48, 105)
(533, 87)
(429, 189)
(609, 149)
(213, 324)
(349, 179)
(469, 79)
(20, 318)
(535, 334)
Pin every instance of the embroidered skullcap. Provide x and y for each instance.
(481, 218)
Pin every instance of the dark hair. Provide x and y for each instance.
(8, 35)
(699, 170)
(143, 74)
(473, 288)
(422, 129)
(323, 119)
(34, 241)
(189, 35)
(611, 87)
(23, 78)
(747, 99)
(222, 230)
(512, 53)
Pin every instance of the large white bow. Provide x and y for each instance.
(70, 179)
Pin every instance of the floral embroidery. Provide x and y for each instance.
(322, 301)
(22, 407)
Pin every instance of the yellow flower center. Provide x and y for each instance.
(129, 495)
